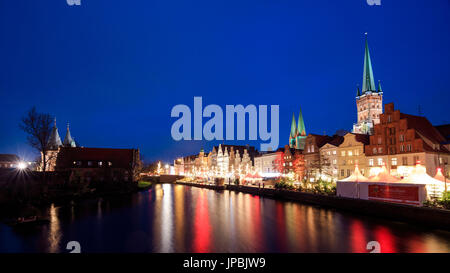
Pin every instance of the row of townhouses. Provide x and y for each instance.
(379, 138)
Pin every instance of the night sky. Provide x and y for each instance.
(114, 68)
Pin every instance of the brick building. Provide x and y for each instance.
(400, 140)
(98, 164)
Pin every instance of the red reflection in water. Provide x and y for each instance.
(358, 238)
(256, 219)
(202, 225)
(281, 225)
(384, 236)
(416, 245)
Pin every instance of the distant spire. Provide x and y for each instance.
(358, 92)
(54, 141)
(379, 87)
(68, 140)
(368, 80)
(301, 130)
(293, 126)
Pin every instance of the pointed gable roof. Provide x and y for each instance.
(54, 141)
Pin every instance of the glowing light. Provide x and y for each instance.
(21, 165)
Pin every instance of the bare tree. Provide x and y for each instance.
(38, 129)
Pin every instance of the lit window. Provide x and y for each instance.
(408, 147)
(334, 152)
(334, 161)
(356, 152)
(100, 163)
(394, 162)
(343, 153)
(109, 163)
(380, 161)
(380, 150)
(350, 153)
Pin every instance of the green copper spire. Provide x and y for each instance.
(379, 87)
(368, 81)
(358, 93)
(293, 126)
(301, 125)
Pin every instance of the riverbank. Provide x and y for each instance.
(424, 216)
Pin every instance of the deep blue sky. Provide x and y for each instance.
(114, 68)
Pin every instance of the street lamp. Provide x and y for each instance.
(21, 165)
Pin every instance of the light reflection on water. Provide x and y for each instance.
(176, 218)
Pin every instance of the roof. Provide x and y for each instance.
(336, 140)
(9, 158)
(424, 127)
(368, 80)
(68, 141)
(301, 130)
(320, 140)
(120, 158)
(54, 141)
(293, 126)
(445, 131)
(363, 138)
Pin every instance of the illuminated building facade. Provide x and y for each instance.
(9, 161)
(329, 155)
(401, 140)
(313, 163)
(350, 153)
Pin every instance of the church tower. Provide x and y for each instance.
(298, 132)
(293, 134)
(301, 133)
(369, 100)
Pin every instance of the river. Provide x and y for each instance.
(177, 218)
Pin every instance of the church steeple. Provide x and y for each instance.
(301, 130)
(358, 92)
(68, 140)
(368, 80)
(379, 87)
(54, 141)
(293, 126)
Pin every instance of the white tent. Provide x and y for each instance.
(439, 176)
(383, 176)
(419, 176)
(356, 176)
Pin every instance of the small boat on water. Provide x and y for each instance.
(27, 221)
